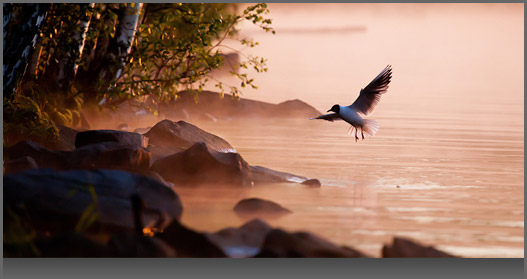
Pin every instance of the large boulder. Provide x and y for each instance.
(406, 248)
(256, 206)
(103, 155)
(56, 200)
(99, 136)
(188, 243)
(281, 244)
(168, 137)
(202, 165)
(244, 241)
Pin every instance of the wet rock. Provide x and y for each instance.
(202, 165)
(20, 164)
(282, 244)
(405, 248)
(102, 136)
(103, 155)
(256, 206)
(189, 243)
(244, 241)
(312, 183)
(266, 175)
(56, 200)
(132, 246)
(168, 137)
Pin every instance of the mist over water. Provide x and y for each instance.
(446, 167)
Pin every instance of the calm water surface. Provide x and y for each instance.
(446, 167)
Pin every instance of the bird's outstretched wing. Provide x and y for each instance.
(329, 117)
(371, 94)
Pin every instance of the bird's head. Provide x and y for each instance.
(335, 108)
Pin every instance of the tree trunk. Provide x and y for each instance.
(122, 45)
(21, 31)
(108, 59)
(68, 65)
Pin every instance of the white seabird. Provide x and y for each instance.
(364, 105)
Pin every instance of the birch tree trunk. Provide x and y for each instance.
(124, 37)
(68, 63)
(20, 36)
(108, 60)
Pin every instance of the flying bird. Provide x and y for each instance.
(368, 98)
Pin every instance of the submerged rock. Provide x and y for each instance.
(56, 200)
(101, 136)
(256, 206)
(312, 182)
(244, 241)
(168, 137)
(202, 165)
(189, 243)
(405, 248)
(282, 244)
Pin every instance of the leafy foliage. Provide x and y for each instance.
(178, 45)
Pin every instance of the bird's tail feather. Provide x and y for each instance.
(370, 127)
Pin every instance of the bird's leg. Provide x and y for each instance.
(356, 137)
(350, 130)
(362, 132)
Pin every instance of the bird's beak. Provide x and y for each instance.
(329, 110)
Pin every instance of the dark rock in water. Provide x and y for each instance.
(44, 157)
(70, 245)
(266, 175)
(103, 155)
(189, 243)
(281, 244)
(110, 155)
(244, 241)
(168, 137)
(295, 108)
(211, 107)
(100, 136)
(132, 246)
(142, 130)
(20, 164)
(258, 206)
(123, 127)
(202, 165)
(405, 248)
(57, 199)
(312, 182)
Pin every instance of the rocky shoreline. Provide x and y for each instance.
(110, 193)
